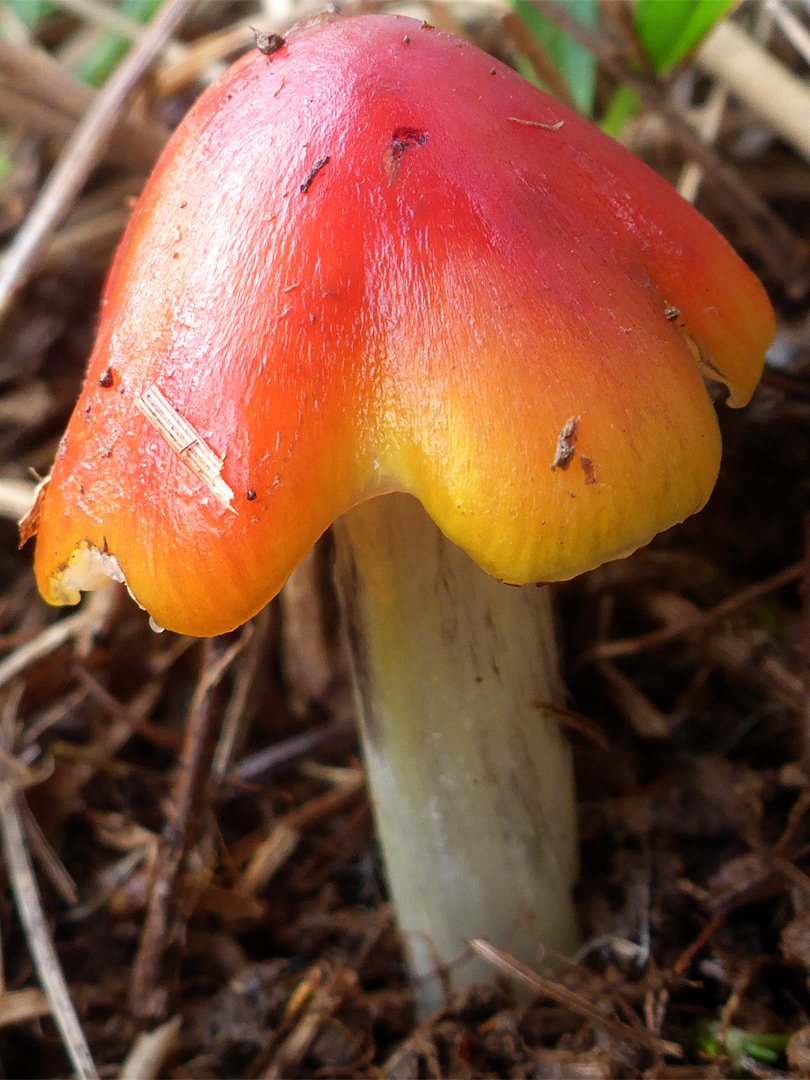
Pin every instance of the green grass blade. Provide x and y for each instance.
(31, 12)
(575, 63)
(105, 53)
(670, 29)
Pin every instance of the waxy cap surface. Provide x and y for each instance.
(380, 260)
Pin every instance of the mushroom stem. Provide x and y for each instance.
(470, 776)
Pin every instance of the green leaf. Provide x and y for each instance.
(670, 29)
(712, 1039)
(622, 107)
(104, 54)
(31, 12)
(575, 63)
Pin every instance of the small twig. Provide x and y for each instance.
(51, 638)
(145, 998)
(268, 859)
(638, 710)
(708, 127)
(682, 964)
(307, 816)
(254, 656)
(156, 734)
(49, 862)
(592, 730)
(268, 762)
(573, 1001)
(739, 654)
(83, 151)
(43, 953)
(605, 650)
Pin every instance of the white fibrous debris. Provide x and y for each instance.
(186, 442)
(89, 569)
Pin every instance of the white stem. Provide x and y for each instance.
(470, 775)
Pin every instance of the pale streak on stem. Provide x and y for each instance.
(187, 443)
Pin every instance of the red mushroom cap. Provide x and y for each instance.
(379, 260)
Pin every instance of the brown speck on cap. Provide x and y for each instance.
(401, 140)
(267, 44)
(566, 444)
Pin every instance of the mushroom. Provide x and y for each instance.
(378, 277)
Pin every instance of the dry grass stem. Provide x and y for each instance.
(637, 709)
(254, 656)
(22, 1006)
(760, 80)
(733, 652)
(796, 32)
(707, 128)
(35, 72)
(29, 906)
(203, 58)
(83, 151)
(37, 91)
(572, 1000)
(699, 621)
(270, 760)
(48, 860)
(267, 859)
(148, 993)
(100, 233)
(149, 1051)
(46, 642)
